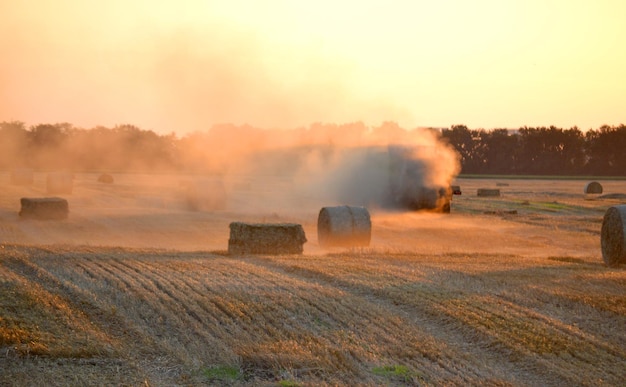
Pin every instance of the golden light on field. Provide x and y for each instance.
(184, 66)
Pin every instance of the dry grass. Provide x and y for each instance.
(532, 305)
(126, 316)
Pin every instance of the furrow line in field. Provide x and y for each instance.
(263, 323)
(579, 335)
(81, 303)
(327, 305)
(103, 290)
(145, 351)
(424, 313)
(569, 349)
(523, 336)
(152, 303)
(308, 292)
(468, 317)
(478, 323)
(143, 303)
(100, 266)
(597, 314)
(158, 314)
(203, 307)
(282, 287)
(248, 310)
(378, 314)
(153, 292)
(222, 310)
(166, 314)
(572, 337)
(123, 290)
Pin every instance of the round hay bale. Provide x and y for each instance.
(488, 192)
(593, 188)
(344, 226)
(105, 178)
(613, 236)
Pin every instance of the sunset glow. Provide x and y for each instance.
(185, 66)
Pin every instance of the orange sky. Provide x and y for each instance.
(186, 65)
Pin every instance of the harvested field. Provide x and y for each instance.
(133, 289)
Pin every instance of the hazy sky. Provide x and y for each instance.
(185, 65)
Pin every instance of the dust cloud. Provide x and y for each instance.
(235, 174)
(350, 164)
(274, 176)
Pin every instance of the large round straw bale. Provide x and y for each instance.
(344, 226)
(488, 192)
(105, 178)
(613, 235)
(22, 176)
(593, 187)
(266, 238)
(60, 183)
(44, 208)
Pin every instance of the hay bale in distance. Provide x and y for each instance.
(52, 208)
(22, 176)
(60, 183)
(105, 178)
(593, 188)
(488, 192)
(613, 235)
(266, 238)
(344, 226)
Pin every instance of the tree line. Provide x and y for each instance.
(540, 151)
(525, 151)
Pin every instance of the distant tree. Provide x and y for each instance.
(541, 149)
(13, 144)
(501, 151)
(460, 138)
(468, 145)
(47, 144)
(573, 151)
(144, 149)
(532, 151)
(605, 149)
(49, 136)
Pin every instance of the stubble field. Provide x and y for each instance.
(135, 289)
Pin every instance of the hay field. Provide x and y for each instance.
(134, 288)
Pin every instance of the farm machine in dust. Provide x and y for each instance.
(410, 185)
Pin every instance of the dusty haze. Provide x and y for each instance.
(272, 176)
(150, 210)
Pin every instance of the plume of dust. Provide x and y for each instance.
(351, 165)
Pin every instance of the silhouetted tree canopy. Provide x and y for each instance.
(525, 151)
(540, 151)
